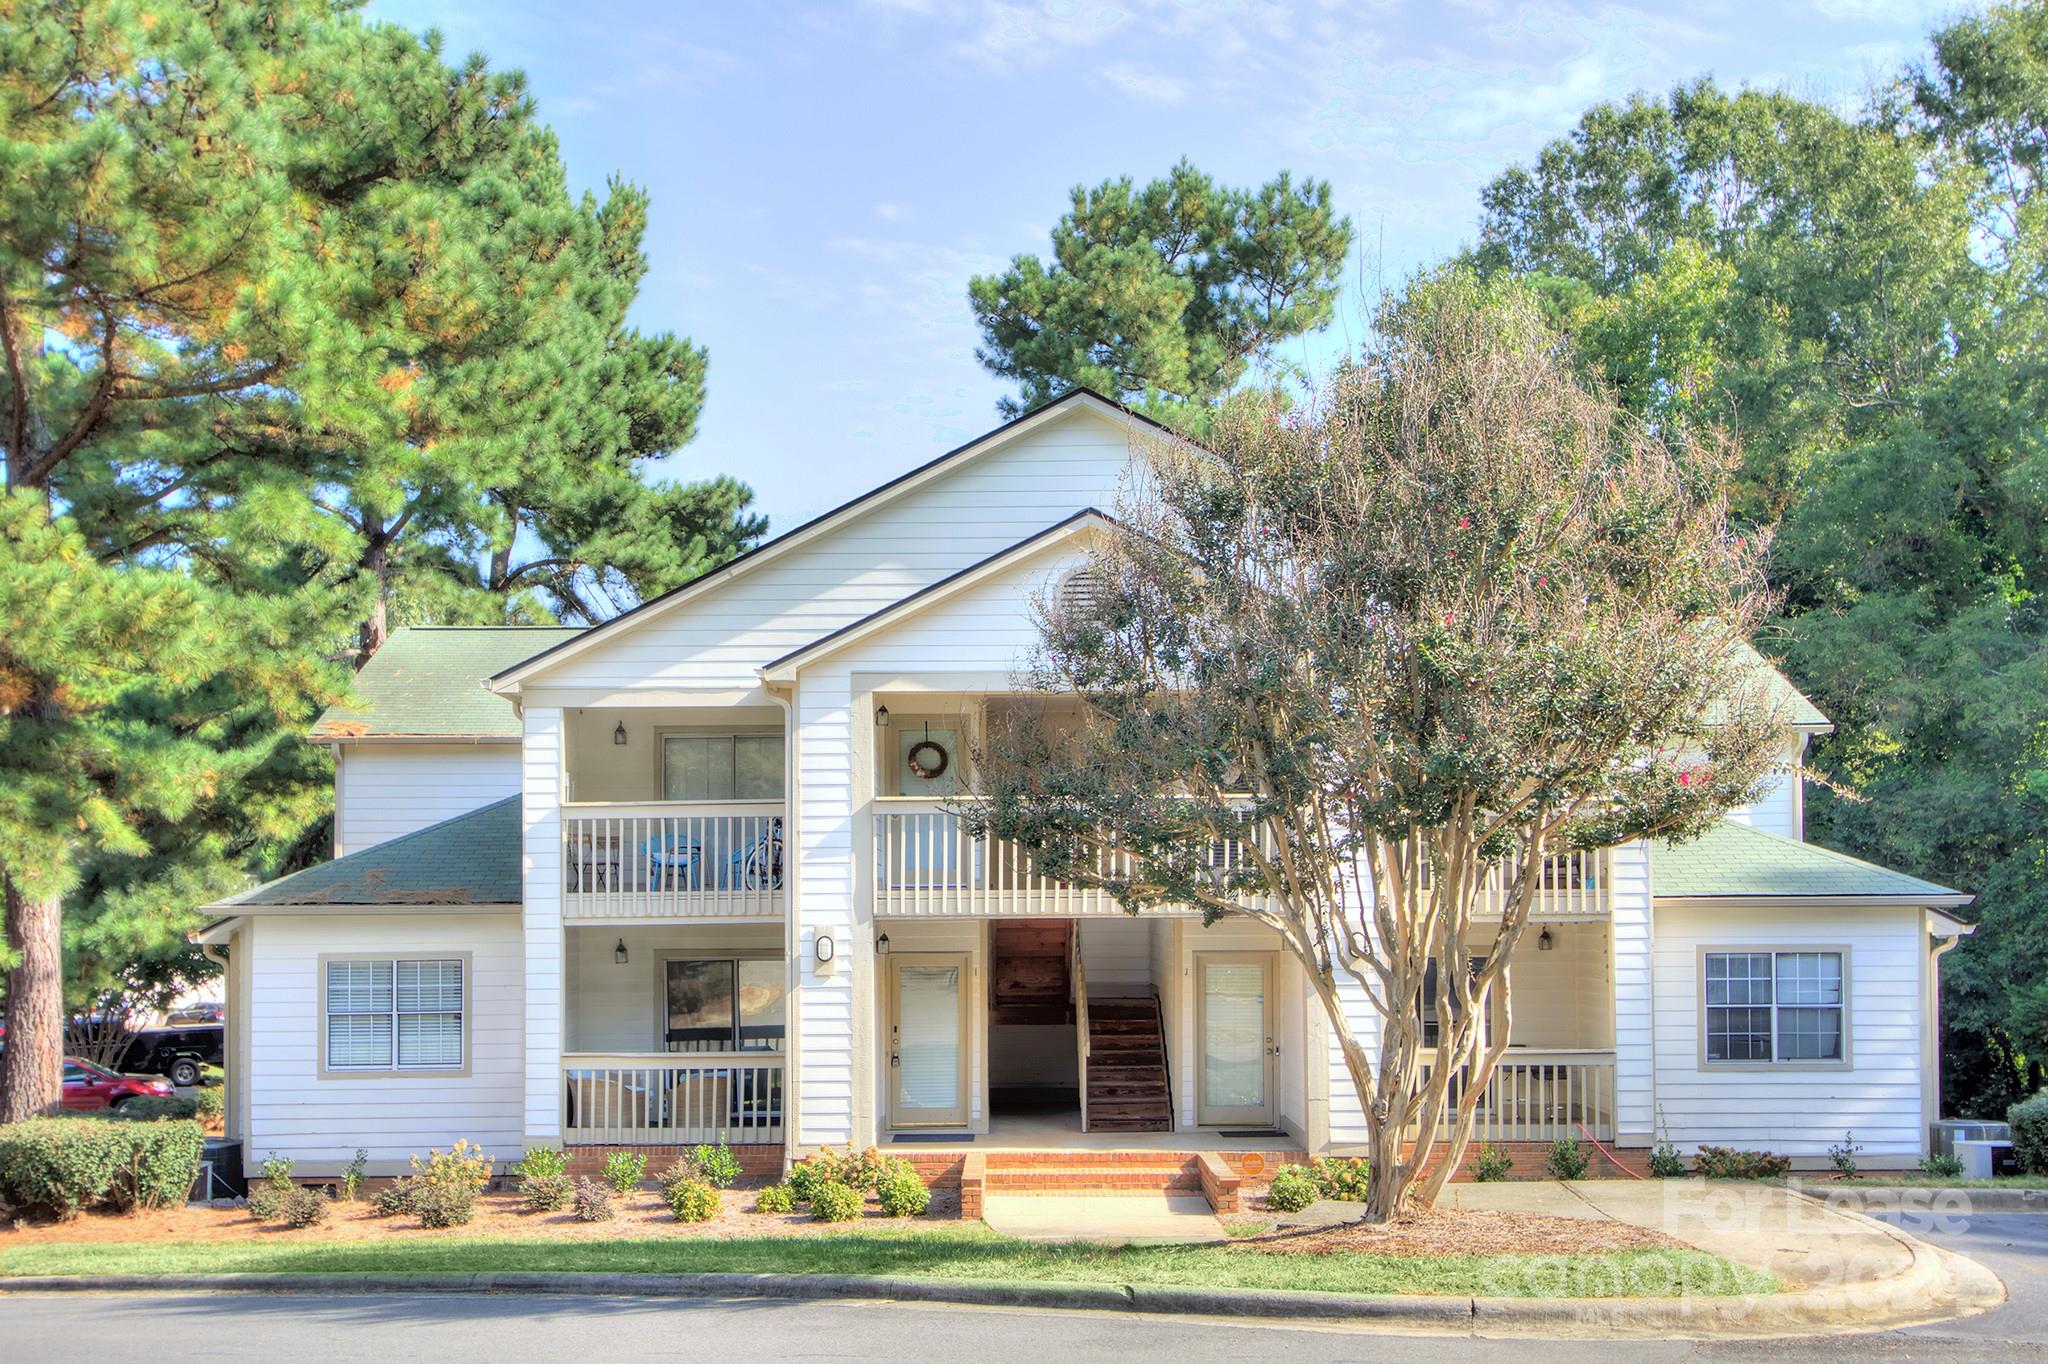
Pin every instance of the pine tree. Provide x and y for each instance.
(1163, 297)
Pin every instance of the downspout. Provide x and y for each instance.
(1941, 948)
(792, 926)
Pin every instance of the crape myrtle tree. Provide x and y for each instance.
(1355, 672)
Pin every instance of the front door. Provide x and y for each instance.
(927, 1039)
(1234, 1032)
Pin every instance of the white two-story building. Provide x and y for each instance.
(693, 875)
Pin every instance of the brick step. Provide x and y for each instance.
(1082, 1180)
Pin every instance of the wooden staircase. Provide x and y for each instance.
(1028, 980)
(1127, 1081)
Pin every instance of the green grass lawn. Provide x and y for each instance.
(962, 1254)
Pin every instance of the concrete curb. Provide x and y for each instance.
(1923, 1198)
(1914, 1296)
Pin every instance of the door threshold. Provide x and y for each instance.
(931, 1136)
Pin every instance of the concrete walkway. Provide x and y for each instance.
(1115, 1218)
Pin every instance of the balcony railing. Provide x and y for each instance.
(1542, 1095)
(672, 861)
(734, 1097)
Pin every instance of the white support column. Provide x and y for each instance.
(541, 875)
(826, 1000)
(1633, 936)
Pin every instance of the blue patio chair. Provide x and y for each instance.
(674, 863)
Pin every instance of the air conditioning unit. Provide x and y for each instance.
(1943, 1136)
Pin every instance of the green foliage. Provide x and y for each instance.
(444, 1203)
(1842, 1155)
(1566, 1159)
(828, 1166)
(593, 1201)
(1665, 1162)
(692, 1200)
(1726, 1162)
(716, 1165)
(1162, 296)
(462, 1165)
(902, 1193)
(775, 1198)
(1941, 1165)
(1293, 1188)
(1491, 1162)
(2029, 1121)
(684, 1171)
(56, 1167)
(832, 1201)
(543, 1174)
(1343, 1178)
(352, 1177)
(151, 1108)
(624, 1170)
(399, 1198)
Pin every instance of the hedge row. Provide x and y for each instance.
(57, 1167)
(202, 1104)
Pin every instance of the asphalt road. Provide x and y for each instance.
(446, 1328)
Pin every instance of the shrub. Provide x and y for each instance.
(352, 1178)
(461, 1164)
(151, 1108)
(302, 1208)
(212, 1103)
(54, 1167)
(448, 1203)
(1941, 1165)
(692, 1200)
(775, 1198)
(1665, 1162)
(624, 1170)
(593, 1201)
(1342, 1178)
(824, 1166)
(399, 1197)
(903, 1194)
(266, 1202)
(832, 1201)
(1725, 1162)
(1491, 1162)
(544, 1178)
(684, 1171)
(716, 1165)
(2029, 1119)
(1842, 1155)
(1567, 1159)
(1293, 1188)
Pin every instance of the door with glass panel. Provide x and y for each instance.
(1234, 1038)
(927, 1058)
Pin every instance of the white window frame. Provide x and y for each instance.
(1774, 951)
(464, 963)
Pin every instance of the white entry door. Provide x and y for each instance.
(927, 1039)
(1234, 1035)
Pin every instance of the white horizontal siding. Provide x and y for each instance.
(1796, 1112)
(960, 518)
(622, 1008)
(385, 790)
(321, 1123)
(824, 996)
(1116, 954)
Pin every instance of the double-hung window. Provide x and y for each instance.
(393, 1013)
(1776, 1007)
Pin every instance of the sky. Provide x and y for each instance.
(826, 178)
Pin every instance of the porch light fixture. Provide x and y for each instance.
(882, 716)
(882, 945)
(823, 947)
(1544, 942)
(619, 952)
(619, 734)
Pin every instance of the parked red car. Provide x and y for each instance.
(87, 1086)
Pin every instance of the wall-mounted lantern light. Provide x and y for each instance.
(882, 716)
(823, 947)
(619, 952)
(882, 944)
(1544, 942)
(619, 734)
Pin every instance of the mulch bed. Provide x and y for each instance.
(641, 1214)
(1442, 1232)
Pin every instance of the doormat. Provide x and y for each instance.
(931, 1136)
(1250, 1132)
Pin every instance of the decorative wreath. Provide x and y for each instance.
(928, 759)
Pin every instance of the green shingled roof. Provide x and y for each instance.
(472, 859)
(1736, 862)
(428, 682)
(1798, 710)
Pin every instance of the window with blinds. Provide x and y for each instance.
(395, 1014)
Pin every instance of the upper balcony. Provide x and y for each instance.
(673, 814)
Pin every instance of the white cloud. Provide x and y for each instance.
(893, 213)
(1154, 87)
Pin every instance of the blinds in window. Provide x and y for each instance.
(429, 1013)
(359, 1015)
(394, 1014)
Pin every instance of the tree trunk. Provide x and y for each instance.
(376, 627)
(32, 1066)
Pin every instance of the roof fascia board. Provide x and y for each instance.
(309, 908)
(1059, 409)
(1084, 523)
(1922, 901)
(457, 740)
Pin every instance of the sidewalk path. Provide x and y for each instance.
(1118, 1219)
